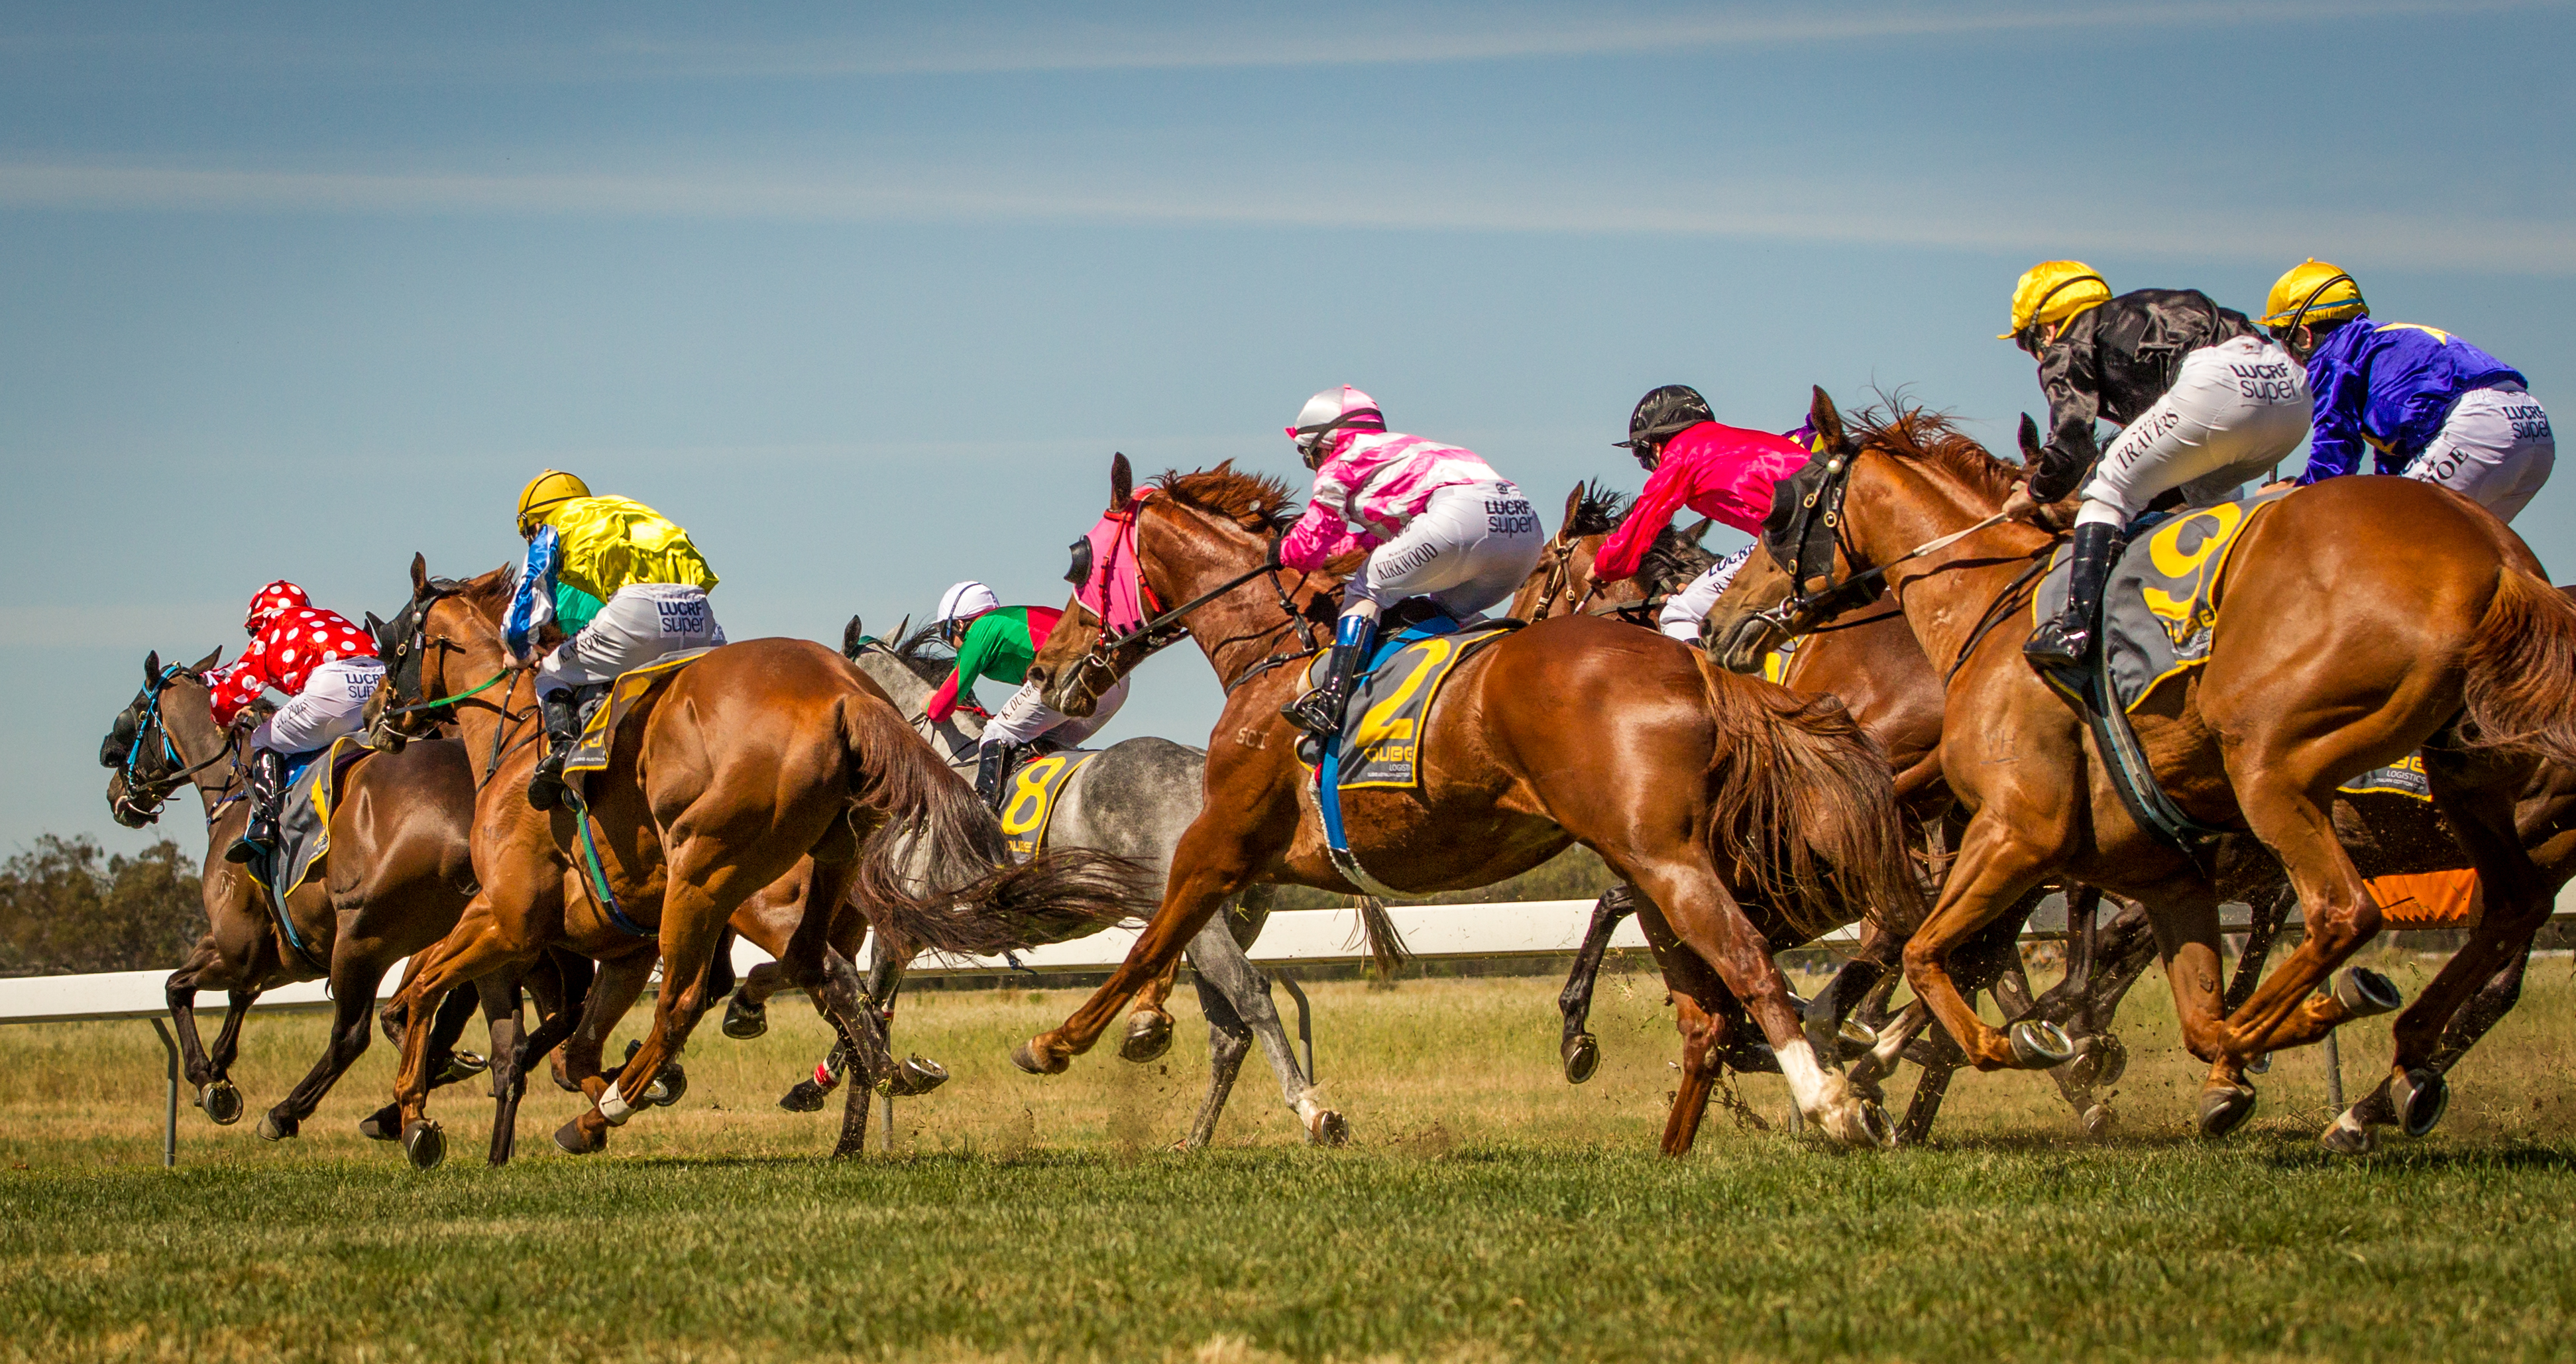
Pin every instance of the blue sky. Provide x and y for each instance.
(866, 298)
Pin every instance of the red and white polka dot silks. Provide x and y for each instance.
(290, 638)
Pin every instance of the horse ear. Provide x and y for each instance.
(152, 667)
(852, 636)
(1573, 502)
(1122, 482)
(375, 627)
(2029, 442)
(903, 630)
(419, 574)
(1699, 529)
(1828, 421)
(209, 661)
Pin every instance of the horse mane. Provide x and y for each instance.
(1598, 510)
(925, 654)
(1672, 561)
(1257, 502)
(1913, 432)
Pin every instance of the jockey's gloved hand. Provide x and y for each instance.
(1277, 543)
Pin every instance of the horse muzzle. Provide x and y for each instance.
(1747, 642)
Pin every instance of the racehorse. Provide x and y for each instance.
(1747, 815)
(1135, 799)
(2331, 655)
(394, 882)
(1869, 665)
(728, 775)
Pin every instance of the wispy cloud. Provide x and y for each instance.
(1940, 216)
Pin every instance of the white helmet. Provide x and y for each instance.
(969, 598)
(1334, 409)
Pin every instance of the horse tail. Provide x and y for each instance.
(1805, 806)
(2520, 690)
(938, 871)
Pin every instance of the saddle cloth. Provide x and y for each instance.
(304, 817)
(599, 736)
(2160, 608)
(1382, 726)
(1029, 797)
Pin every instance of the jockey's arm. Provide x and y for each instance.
(1657, 503)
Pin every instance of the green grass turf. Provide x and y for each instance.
(1485, 1210)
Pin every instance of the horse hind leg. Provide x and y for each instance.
(353, 998)
(1243, 993)
(1229, 1041)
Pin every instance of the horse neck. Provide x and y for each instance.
(469, 664)
(1944, 596)
(188, 718)
(1239, 629)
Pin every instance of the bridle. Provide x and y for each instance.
(1165, 628)
(405, 665)
(1814, 529)
(1560, 579)
(144, 796)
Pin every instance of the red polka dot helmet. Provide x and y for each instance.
(269, 601)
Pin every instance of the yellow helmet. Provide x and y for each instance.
(544, 493)
(2313, 291)
(2053, 291)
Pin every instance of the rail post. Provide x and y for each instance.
(170, 1120)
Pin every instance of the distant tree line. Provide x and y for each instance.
(66, 906)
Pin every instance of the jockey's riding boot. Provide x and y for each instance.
(563, 726)
(267, 792)
(992, 764)
(2065, 641)
(1319, 712)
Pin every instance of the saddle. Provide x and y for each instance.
(304, 828)
(604, 712)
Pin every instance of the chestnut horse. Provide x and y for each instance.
(2334, 653)
(1748, 816)
(395, 881)
(760, 760)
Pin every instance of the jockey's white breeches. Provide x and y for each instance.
(2495, 448)
(1025, 718)
(1684, 611)
(636, 625)
(2235, 410)
(332, 704)
(1473, 546)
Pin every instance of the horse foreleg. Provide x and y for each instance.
(1229, 1041)
(354, 978)
(1579, 1052)
(1242, 991)
(499, 995)
(1149, 1019)
(1995, 868)
(1711, 1025)
(613, 991)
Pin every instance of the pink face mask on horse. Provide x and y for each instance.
(1105, 577)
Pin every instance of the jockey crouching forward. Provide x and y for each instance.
(1000, 642)
(2204, 401)
(2436, 408)
(623, 584)
(1723, 472)
(326, 666)
(1436, 520)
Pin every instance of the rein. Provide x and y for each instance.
(1165, 628)
(157, 791)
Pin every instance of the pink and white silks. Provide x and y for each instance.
(1370, 488)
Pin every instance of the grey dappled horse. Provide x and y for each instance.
(1134, 800)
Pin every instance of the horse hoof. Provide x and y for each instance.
(1856, 1039)
(1877, 1126)
(672, 1087)
(2114, 1061)
(222, 1102)
(575, 1140)
(2366, 993)
(2347, 1136)
(2225, 1108)
(745, 1020)
(2421, 1095)
(2098, 1121)
(1582, 1056)
(461, 1066)
(1149, 1035)
(2040, 1045)
(385, 1124)
(2260, 1065)
(1025, 1056)
(275, 1128)
(918, 1075)
(806, 1097)
(424, 1144)
(1328, 1128)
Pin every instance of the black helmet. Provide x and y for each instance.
(1662, 414)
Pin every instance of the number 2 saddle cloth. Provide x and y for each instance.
(2161, 607)
(1382, 728)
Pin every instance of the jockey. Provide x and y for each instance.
(1000, 642)
(1725, 472)
(2203, 400)
(1436, 520)
(624, 586)
(326, 666)
(2434, 407)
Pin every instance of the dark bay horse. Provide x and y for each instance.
(1751, 818)
(2334, 653)
(394, 882)
(762, 759)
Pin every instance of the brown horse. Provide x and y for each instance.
(394, 882)
(1748, 816)
(760, 758)
(2333, 654)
